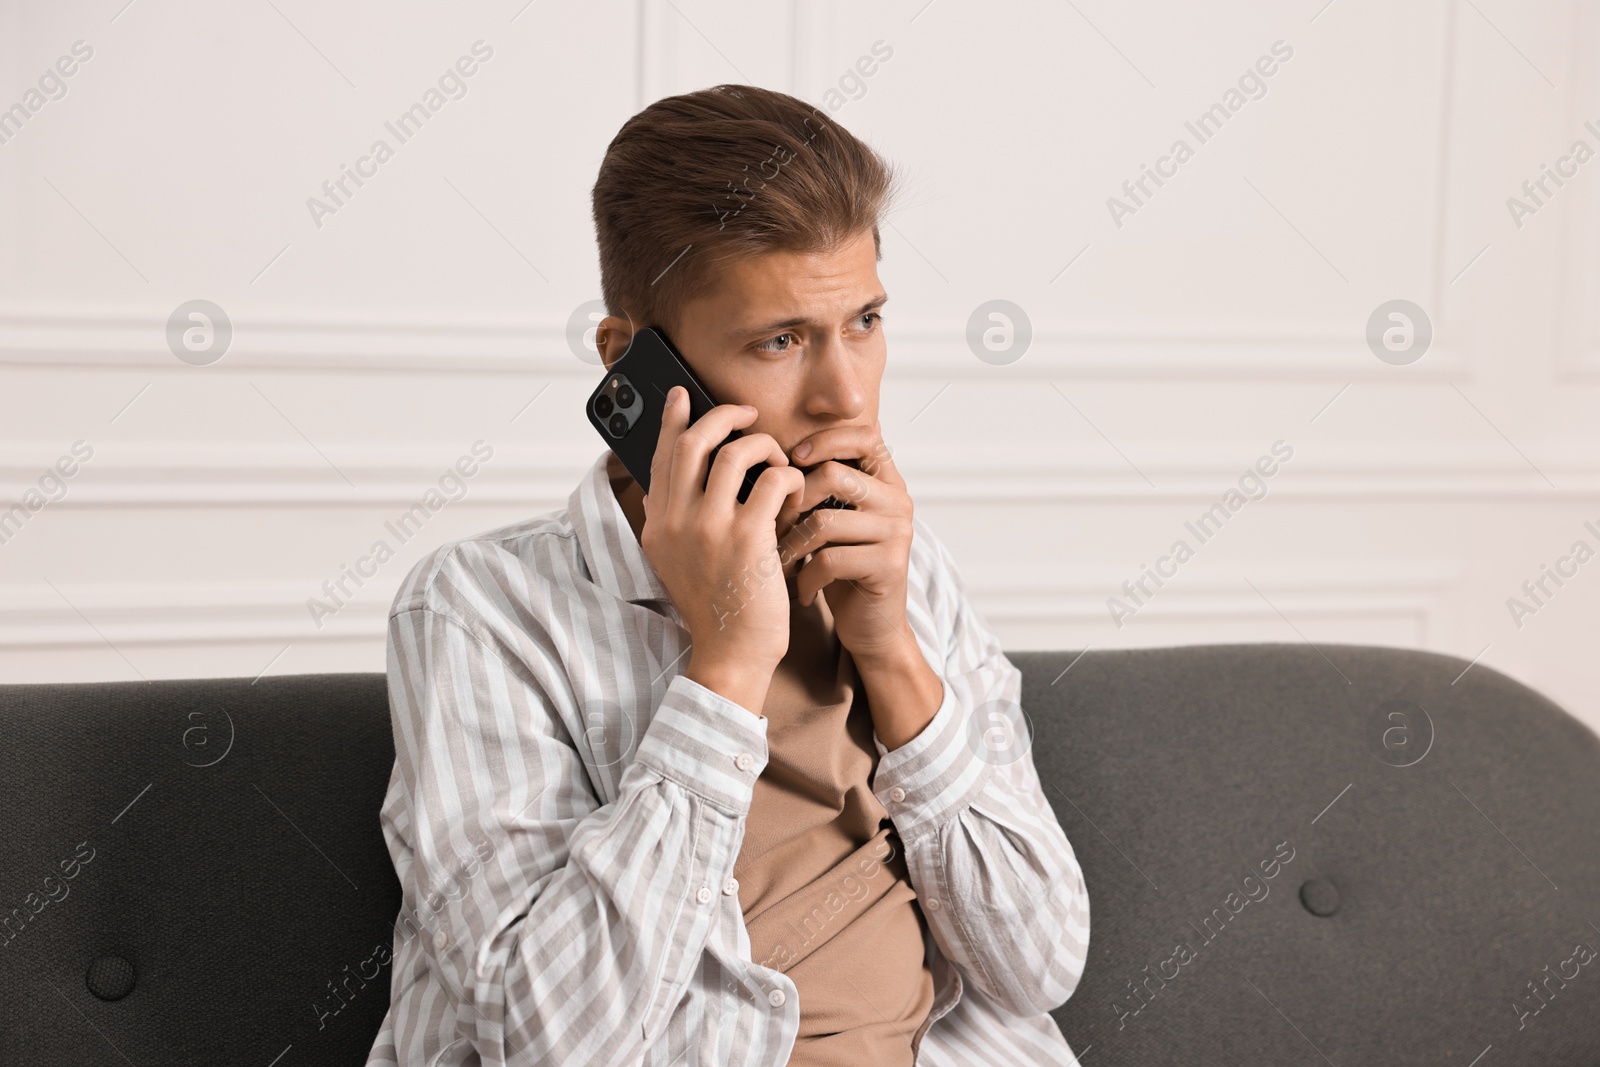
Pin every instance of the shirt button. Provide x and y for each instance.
(776, 998)
(744, 761)
(897, 794)
(730, 887)
(933, 904)
(441, 939)
(704, 894)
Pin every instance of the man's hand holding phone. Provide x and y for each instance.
(719, 558)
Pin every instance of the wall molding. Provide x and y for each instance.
(934, 350)
(175, 614)
(993, 472)
(168, 614)
(1577, 312)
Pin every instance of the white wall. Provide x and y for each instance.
(1168, 353)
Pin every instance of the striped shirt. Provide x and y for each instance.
(566, 809)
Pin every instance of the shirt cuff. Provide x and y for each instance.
(710, 745)
(934, 777)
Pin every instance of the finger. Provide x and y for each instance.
(674, 416)
(838, 527)
(789, 509)
(774, 486)
(821, 483)
(733, 461)
(862, 443)
(835, 563)
(845, 484)
(695, 442)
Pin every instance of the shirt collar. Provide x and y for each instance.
(616, 560)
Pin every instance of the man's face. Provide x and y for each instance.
(797, 335)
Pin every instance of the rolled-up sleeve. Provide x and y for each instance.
(998, 880)
(561, 929)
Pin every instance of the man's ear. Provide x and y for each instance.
(612, 337)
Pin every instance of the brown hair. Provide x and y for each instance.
(733, 170)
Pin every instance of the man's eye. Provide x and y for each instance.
(870, 319)
(773, 345)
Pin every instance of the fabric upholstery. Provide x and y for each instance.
(1443, 835)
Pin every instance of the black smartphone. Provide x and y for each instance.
(626, 407)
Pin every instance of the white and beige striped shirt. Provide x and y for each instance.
(566, 809)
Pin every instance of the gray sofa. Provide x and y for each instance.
(1347, 856)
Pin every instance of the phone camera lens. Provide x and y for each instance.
(619, 424)
(602, 406)
(625, 396)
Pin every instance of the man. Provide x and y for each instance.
(680, 780)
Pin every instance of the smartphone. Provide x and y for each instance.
(626, 407)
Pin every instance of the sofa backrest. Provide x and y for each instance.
(1292, 853)
(206, 852)
(1444, 829)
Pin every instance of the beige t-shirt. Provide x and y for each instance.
(821, 872)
